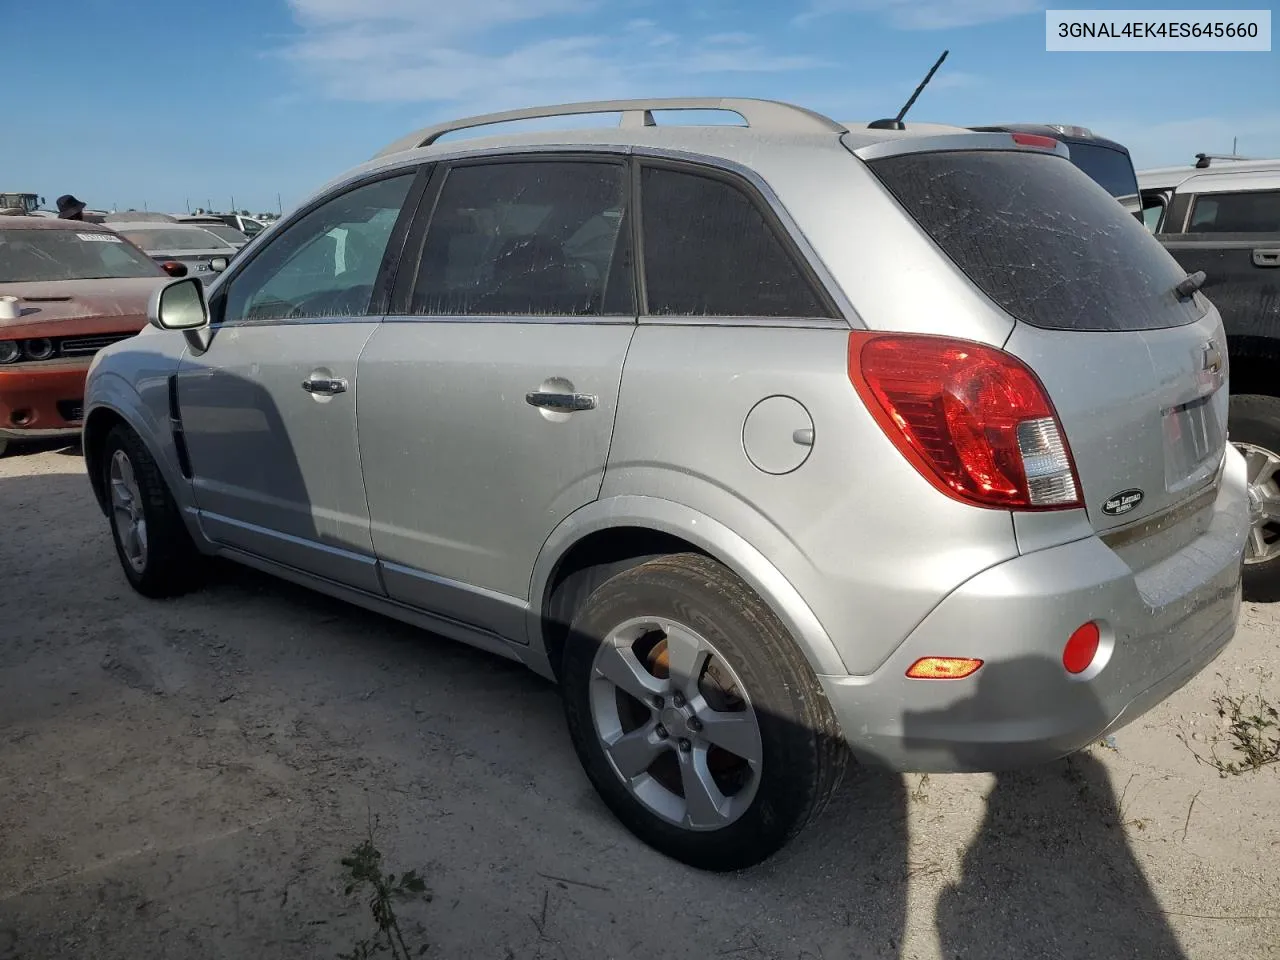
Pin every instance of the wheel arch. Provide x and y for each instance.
(609, 536)
(111, 401)
(97, 424)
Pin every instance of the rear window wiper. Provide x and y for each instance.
(1192, 283)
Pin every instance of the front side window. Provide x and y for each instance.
(531, 238)
(1256, 211)
(39, 255)
(710, 252)
(324, 264)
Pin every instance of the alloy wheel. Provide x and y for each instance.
(1263, 471)
(126, 507)
(676, 723)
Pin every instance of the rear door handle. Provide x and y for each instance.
(561, 402)
(1266, 258)
(326, 386)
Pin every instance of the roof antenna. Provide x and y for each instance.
(896, 123)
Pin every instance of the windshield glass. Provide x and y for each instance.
(1041, 240)
(175, 238)
(229, 234)
(1110, 168)
(39, 255)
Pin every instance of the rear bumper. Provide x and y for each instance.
(37, 400)
(1160, 628)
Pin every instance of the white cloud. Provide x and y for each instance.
(410, 51)
(926, 14)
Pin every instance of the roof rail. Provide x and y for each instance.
(1202, 159)
(772, 115)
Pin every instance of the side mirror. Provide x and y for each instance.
(218, 264)
(174, 269)
(179, 305)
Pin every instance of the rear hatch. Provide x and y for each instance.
(1136, 372)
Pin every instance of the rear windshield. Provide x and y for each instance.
(1041, 239)
(1112, 169)
(176, 238)
(33, 256)
(229, 234)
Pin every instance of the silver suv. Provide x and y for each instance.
(774, 444)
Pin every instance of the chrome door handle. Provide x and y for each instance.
(326, 386)
(561, 402)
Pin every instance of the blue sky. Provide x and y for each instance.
(143, 102)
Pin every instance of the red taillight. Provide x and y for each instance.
(1035, 140)
(973, 420)
(1081, 648)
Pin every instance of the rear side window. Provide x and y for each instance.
(1039, 238)
(533, 238)
(710, 252)
(1256, 211)
(1110, 169)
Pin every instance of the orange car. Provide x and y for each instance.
(67, 289)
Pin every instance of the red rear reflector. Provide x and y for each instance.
(1081, 648)
(1035, 140)
(943, 668)
(973, 420)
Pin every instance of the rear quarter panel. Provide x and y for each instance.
(868, 544)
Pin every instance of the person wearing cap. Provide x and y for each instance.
(69, 208)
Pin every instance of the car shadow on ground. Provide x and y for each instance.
(1049, 872)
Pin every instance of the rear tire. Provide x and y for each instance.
(4, 443)
(154, 547)
(649, 627)
(1254, 427)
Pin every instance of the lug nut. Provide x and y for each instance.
(661, 731)
(677, 700)
(695, 724)
(685, 745)
(658, 703)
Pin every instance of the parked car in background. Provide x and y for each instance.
(67, 289)
(201, 252)
(249, 226)
(767, 442)
(1107, 162)
(1221, 215)
(138, 216)
(218, 227)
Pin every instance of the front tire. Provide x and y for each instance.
(1254, 427)
(695, 715)
(154, 547)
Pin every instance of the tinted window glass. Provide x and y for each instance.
(1254, 212)
(1109, 168)
(37, 255)
(530, 238)
(1152, 213)
(175, 238)
(709, 251)
(1040, 239)
(326, 263)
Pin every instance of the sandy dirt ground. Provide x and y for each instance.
(181, 779)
